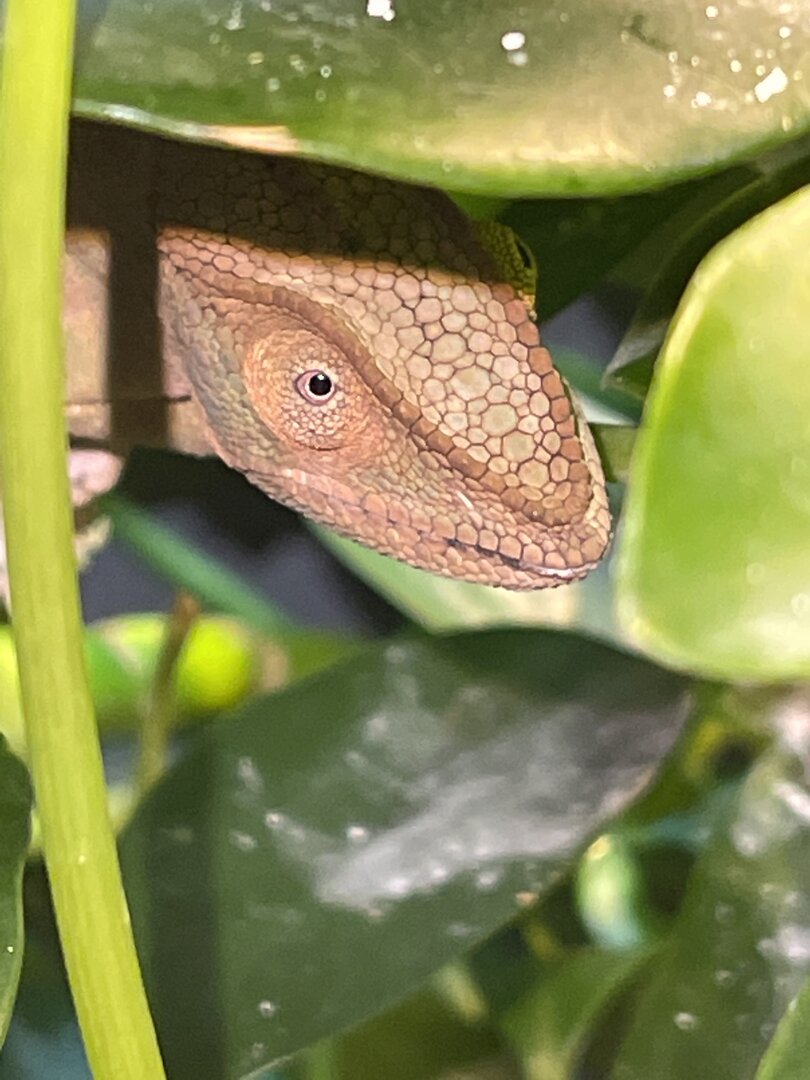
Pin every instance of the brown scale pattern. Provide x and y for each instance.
(449, 440)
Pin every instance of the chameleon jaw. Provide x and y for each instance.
(422, 545)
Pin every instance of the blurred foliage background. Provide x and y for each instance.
(415, 829)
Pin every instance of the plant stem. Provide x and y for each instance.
(63, 743)
(160, 713)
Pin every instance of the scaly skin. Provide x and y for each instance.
(447, 440)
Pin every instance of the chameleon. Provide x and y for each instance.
(356, 346)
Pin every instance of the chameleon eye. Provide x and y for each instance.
(315, 386)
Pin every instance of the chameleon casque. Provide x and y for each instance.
(355, 346)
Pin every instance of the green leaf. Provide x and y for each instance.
(554, 98)
(740, 949)
(788, 1054)
(603, 405)
(421, 1039)
(315, 858)
(713, 571)
(632, 365)
(15, 814)
(615, 443)
(550, 1026)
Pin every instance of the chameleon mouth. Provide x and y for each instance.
(513, 563)
(383, 525)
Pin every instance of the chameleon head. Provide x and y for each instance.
(400, 396)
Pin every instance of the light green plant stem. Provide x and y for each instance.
(63, 744)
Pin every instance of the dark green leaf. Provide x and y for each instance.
(714, 573)
(43, 1041)
(597, 97)
(318, 856)
(576, 241)
(15, 815)
(740, 949)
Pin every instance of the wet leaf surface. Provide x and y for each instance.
(315, 858)
(740, 949)
(713, 568)
(598, 97)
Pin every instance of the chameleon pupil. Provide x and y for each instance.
(320, 385)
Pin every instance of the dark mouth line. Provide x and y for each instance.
(511, 561)
(566, 574)
(507, 560)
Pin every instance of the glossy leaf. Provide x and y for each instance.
(740, 949)
(553, 98)
(43, 1040)
(318, 856)
(15, 813)
(713, 570)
